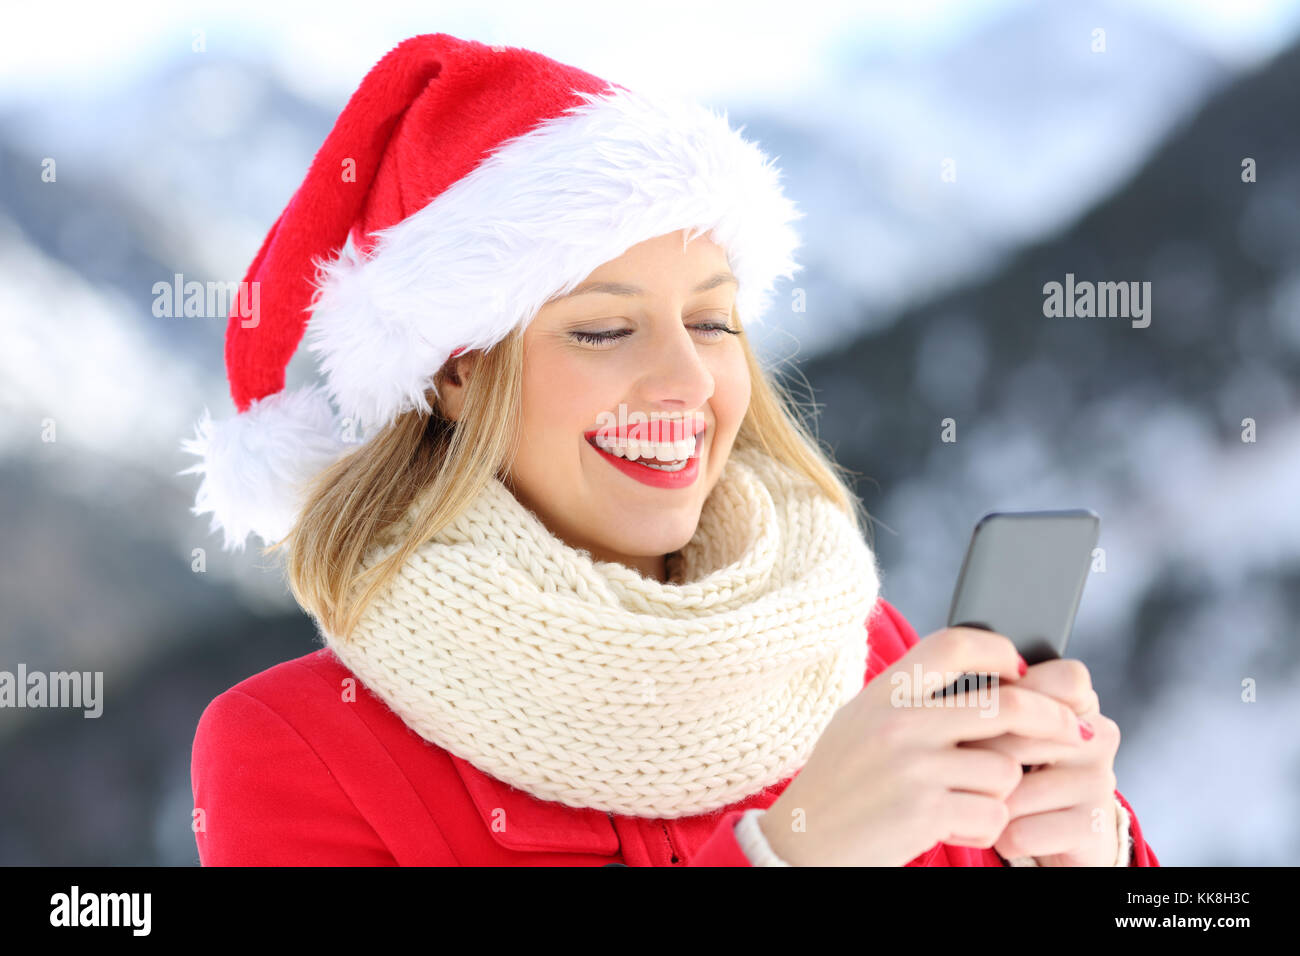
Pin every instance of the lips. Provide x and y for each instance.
(662, 430)
(654, 477)
(668, 431)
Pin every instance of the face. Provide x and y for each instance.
(637, 366)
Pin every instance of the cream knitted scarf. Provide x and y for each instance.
(583, 682)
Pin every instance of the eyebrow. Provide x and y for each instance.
(622, 288)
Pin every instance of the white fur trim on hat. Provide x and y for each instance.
(538, 215)
(255, 464)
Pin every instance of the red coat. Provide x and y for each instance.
(286, 772)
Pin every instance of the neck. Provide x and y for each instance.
(652, 566)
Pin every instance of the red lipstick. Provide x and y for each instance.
(661, 430)
(676, 430)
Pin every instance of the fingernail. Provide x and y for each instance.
(1023, 666)
(1085, 728)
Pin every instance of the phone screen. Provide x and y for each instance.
(1023, 577)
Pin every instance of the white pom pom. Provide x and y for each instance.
(255, 465)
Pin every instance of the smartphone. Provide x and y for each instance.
(1023, 577)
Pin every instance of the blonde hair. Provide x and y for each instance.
(350, 505)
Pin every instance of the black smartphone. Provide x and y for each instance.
(1023, 577)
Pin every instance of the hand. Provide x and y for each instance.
(887, 780)
(1063, 812)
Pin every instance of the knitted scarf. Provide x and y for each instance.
(584, 682)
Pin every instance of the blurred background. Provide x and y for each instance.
(951, 158)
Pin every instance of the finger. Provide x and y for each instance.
(1066, 679)
(1059, 788)
(972, 819)
(940, 658)
(1034, 752)
(1005, 709)
(974, 771)
(1046, 834)
(1102, 746)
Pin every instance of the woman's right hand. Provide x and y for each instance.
(887, 780)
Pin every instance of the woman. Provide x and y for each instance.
(590, 594)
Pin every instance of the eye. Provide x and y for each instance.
(720, 325)
(598, 338)
(711, 330)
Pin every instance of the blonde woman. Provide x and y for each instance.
(589, 592)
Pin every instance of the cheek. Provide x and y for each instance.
(562, 397)
(732, 388)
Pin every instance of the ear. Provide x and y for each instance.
(452, 380)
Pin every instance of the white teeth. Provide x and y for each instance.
(664, 451)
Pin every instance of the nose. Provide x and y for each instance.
(675, 376)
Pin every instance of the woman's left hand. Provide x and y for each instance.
(1063, 811)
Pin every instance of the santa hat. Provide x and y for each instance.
(462, 187)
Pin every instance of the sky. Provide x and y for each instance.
(323, 48)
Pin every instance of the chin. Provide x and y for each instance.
(667, 537)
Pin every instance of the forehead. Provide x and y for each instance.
(669, 248)
(656, 265)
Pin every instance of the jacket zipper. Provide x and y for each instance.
(671, 849)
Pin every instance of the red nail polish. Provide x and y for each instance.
(1085, 728)
(1023, 666)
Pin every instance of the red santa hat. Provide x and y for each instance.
(462, 187)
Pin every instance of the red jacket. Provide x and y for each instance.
(286, 772)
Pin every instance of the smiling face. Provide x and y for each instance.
(632, 369)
